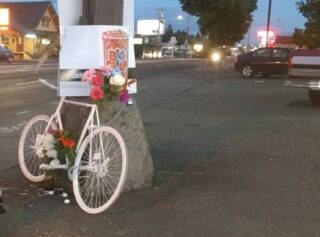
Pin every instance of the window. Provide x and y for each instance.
(280, 53)
(262, 53)
(20, 40)
(45, 21)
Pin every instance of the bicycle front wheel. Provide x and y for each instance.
(28, 160)
(100, 170)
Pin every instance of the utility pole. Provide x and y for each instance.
(99, 12)
(127, 120)
(187, 29)
(268, 22)
(160, 11)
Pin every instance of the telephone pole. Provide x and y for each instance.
(160, 13)
(187, 29)
(268, 22)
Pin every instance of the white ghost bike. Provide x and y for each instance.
(99, 173)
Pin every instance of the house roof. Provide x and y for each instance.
(25, 16)
(284, 40)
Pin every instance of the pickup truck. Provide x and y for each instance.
(304, 71)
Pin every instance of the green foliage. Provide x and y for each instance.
(168, 33)
(65, 146)
(298, 37)
(181, 36)
(111, 92)
(310, 9)
(224, 21)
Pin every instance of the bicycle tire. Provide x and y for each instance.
(28, 160)
(98, 186)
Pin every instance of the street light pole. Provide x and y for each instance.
(160, 10)
(180, 17)
(268, 22)
(187, 29)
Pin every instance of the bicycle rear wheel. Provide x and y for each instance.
(100, 170)
(29, 162)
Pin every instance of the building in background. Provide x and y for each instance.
(285, 42)
(30, 27)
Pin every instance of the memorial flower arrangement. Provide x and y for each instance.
(55, 147)
(106, 84)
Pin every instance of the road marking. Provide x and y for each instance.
(13, 128)
(258, 81)
(25, 83)
(23, 112)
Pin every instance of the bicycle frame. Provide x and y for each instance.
(89, 125)
(99, 171)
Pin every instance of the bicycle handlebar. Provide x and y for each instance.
(48, 84)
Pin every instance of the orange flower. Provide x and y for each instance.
(68, 143)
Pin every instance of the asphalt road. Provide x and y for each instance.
(22, 98)
(232, 157)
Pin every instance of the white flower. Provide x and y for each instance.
(49, 141)
(39, 153)
(40, 139)
(117, 80)
(45, 146)
(52, 153)
(55, 162)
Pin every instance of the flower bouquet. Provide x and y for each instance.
(107, 84)
(57, 150)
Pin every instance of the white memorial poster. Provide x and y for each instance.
(81, 46)
(90, 47)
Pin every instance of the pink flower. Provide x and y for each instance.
(88, 75)
(106, 69)
(97, 79)
(96, 93)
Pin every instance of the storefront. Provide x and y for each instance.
(30, 28)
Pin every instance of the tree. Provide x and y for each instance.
(310, 10)
(224, 21)
(180, 37)
(298, 37)
(167, 34)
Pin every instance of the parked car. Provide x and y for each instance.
(265, 61)
(304, 72)
(6, 54)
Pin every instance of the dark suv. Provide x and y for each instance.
(6, 54)
(265, 61)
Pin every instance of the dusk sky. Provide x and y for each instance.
(284, 18)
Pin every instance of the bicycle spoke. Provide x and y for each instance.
(99, 186)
